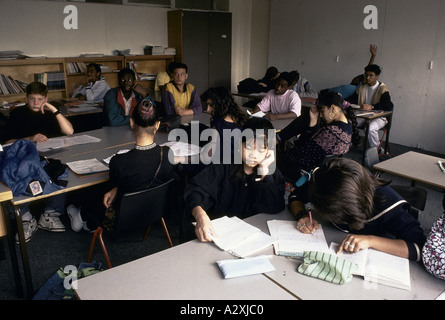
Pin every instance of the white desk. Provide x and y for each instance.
(189, 271)
(416, 167)
(423, 285)
(184, 272)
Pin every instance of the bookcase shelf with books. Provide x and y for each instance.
(24, 71)
(73, 71)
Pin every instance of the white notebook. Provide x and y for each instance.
(291, 242)
(238, 237)
(379, 267)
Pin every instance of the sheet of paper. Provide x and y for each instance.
(53, 143)
(292, 242)
(181, 149)
(231, 231)
(107, 160)
(87, 166)
(62, 142)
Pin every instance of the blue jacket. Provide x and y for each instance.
(20, 164)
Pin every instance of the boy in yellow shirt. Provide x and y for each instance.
(178, 96)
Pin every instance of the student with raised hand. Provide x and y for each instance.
(326, 132)
(178, 96)
(373, 94)
(366, 208)
(348, 90)
(96, 86)
(120, 102)
(282, 102)
(129, 172)
(239, 189)
(37, 121)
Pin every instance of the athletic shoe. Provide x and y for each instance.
(51, 222)
(77, 223)
(29, 227)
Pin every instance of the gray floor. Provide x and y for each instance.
(50, 251)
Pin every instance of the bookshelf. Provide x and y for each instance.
(24, 70)
(149, 65)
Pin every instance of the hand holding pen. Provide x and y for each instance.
(307, 225)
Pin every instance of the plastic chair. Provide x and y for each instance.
(137, 210)
(415, 196)
(384, 140)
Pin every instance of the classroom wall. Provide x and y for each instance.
(308, 35)
(36, 28)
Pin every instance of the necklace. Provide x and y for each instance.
(150, 146)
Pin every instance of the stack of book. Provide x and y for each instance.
(76, 67)
(10, 86)
(170, 51)
(55, 80)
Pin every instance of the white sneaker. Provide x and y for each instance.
(29, 227)
(51, 222)
(77, 223)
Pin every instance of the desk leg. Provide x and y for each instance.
(365, 143)
(12, 251)
(24, 251)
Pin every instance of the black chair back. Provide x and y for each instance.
(138, 210)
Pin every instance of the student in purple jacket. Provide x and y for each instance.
(178, 96)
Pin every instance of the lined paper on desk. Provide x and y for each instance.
(293, 243)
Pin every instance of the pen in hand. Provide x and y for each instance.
(310, 219)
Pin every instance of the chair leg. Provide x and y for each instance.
(146, 233)
(98, 234)
(166, 232)
(90, 253)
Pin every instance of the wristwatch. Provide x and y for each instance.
(56, 113)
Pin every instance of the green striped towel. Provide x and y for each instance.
(327, 267)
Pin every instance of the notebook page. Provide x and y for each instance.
(292, 242)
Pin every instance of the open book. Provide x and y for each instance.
(379, 267)
(238, 237)
(293, 243)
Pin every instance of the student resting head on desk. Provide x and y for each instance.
(120, 102)
(282, 102)
(178, 96)
(241, 190)
(373, 215)
(129, 172)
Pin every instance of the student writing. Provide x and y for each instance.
(366, 208)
